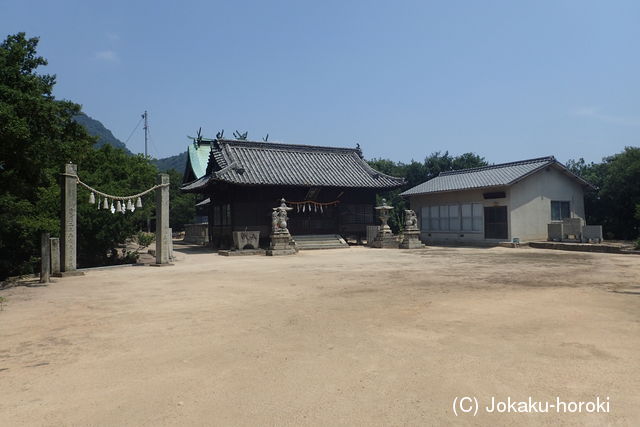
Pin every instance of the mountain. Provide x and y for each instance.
(95, 128)
(177, 162)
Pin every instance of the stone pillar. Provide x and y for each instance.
(162, 220)
(45, 258)
(68, 223)
(54, 245)
(170, 243)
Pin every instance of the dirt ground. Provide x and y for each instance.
(352, 336)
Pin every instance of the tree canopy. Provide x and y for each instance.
(38, 135)
(616, 202)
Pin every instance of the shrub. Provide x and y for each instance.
(144, 239)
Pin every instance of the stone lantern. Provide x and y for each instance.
(385, 237)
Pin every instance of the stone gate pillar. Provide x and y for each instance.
(68, 222)
(162, 221)
(45, 258)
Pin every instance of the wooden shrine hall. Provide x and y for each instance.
(332, 190)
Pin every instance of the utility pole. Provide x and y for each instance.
(145, 116)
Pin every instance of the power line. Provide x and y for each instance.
(134, 129)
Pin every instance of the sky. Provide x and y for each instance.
(508, 80)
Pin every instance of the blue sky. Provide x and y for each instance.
(506, 79)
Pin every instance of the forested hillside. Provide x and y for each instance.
(177, 162)
(96, 128)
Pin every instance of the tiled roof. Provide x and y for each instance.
(267, 163)
(488, 176)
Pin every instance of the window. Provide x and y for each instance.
(495, 195)
(434, 219)
(424, 220)
(454, 217)
(477, 220)
(444, 218)
(560, 210)
(465, 217)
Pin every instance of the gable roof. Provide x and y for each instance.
(197, 159)
(500, 175)
(269, 163)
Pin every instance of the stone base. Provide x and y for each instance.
(411, 244)
(282, 244)
(276, 252)
(411, 240)
(242, 252)
(68, 273)
(388, 241)
(161, 265)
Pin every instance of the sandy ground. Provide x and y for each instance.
(338, 337)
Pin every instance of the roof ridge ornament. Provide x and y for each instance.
(241, 136)
(359, 150)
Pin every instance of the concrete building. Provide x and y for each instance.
(497, 203)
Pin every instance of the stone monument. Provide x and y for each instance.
(246, 240)
(411, 236)
(385, 237)
(281, 241)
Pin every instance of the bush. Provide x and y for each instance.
(637, 244)
(144, 239)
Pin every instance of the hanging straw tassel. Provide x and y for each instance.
(139, 203)
(321, 211)
(92, 198)
(118, 206)
(129, 205)
(315, 207)
(106, 204)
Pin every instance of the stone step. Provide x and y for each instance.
(320, 241)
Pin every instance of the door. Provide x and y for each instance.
(495, 223)
(313, 221)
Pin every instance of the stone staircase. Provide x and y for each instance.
(320, 241)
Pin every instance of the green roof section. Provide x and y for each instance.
(199, 158)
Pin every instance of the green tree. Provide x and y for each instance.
(183, 205)
(112, 171)
(616, 202)
(37, 136)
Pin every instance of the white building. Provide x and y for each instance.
(497, 203)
